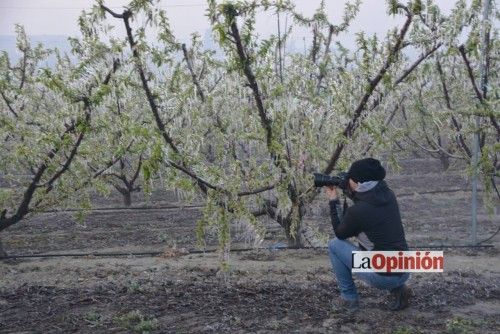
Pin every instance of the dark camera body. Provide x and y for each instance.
(341, 180)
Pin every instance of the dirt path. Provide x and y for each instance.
(284, 291)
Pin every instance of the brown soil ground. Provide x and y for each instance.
(283, 291)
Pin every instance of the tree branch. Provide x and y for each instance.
(116, 15)
(420, 59)
(460, 138)
(9, 104)
(479, 96)
(252, 82)
(199, 90)
(353, 123)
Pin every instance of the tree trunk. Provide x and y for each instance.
(127, 198)
(2, 251)
(126, 193)
(445, 161)
(416, 154)
(295, 242)
(295, 239)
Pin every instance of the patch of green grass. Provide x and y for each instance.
(134, 287)
(163, 237)
(406, 330)
(93, 318)
(137, 322)
(460, 325)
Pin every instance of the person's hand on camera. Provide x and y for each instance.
(331, 192)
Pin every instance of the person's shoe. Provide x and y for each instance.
(399, 298)
(342, 305)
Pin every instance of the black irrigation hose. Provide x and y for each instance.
(172, 207)
(167, 207)
(196, 251)
(432, 192)
(490, 237)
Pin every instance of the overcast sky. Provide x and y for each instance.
(58, 17)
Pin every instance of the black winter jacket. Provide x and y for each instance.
(374, 212)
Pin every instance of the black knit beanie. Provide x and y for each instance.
(368, 169)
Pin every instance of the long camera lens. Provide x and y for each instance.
(322, 180)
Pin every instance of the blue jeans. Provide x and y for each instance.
(340, 252)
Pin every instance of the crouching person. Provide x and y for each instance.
(375, 220)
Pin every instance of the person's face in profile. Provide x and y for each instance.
(353, 185)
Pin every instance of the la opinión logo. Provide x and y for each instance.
(397, 261)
